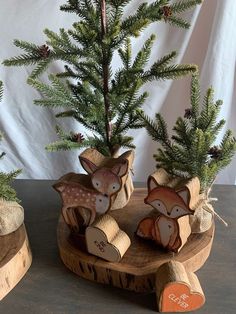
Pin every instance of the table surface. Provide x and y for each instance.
(49, 287)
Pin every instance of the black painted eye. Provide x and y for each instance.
(159, 204)
(97, 184)
(100, 200)
(113, 187)
(177, 209)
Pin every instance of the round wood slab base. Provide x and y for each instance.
(15, 259)
(136, 271)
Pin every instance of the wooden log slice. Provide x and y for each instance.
(15, 259)
(136, 271)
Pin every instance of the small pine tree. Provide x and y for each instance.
(191, 151)
(102, 101)
(6, 191)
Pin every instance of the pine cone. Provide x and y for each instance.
(166, 11)
(44, 51)
(77, 137)
(215, 152)
(188, 113)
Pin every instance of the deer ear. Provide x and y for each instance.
(128, 155)
(185, 195)
(88, 165)
(152, 184)
(59, 186)
(121, 168)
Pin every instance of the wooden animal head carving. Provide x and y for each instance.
(106, 180)
(168, 202)
(187, 189)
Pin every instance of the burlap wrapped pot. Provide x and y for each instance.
(11, 217)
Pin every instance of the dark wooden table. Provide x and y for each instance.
(49, 287)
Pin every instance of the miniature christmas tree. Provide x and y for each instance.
(103, 101)
(191, 150)
(6, 191)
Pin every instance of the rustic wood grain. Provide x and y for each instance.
(177, 289)
(105, 239)
(15, 259)
(49, 288)
(136, 271)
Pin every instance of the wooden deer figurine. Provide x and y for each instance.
(169, 226)
(99, 189)
(79, 199)
(110, 176)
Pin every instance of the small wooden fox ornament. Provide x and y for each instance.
(169, 226)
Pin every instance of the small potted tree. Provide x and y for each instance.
(191, 150)
(102, 99)
(13, 238)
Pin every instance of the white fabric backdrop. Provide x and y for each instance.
(210, 43)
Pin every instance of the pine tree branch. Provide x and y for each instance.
(184, 5)
(170, 72)
(103, 102)
(6, 191)
(191, 152)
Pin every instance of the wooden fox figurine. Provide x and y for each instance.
(169, 227)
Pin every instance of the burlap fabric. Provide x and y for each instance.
(202, 219)
(11, 217)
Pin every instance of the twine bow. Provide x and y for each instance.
(205, 203)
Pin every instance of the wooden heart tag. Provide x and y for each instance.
(105, 239)
(178, 290)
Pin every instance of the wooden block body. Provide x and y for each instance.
(172, 234)
(177, 289)
(105, 239)
(169, 233)
(81, 202)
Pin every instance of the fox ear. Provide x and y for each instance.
(185, 195)
(121, 168)
(88, 165)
